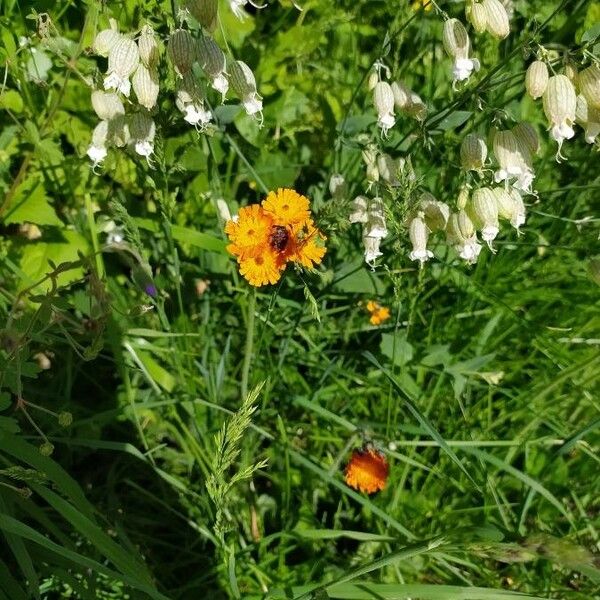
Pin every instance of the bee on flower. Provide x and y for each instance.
(378, 313)
(265, 238)
(367, 470)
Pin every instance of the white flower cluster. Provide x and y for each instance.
(130, 64)
(133, 64)
(387, 97)
(567, 98)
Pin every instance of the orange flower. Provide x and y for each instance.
(379, 313)
(287, 207)
(265, 238)
(367, 471)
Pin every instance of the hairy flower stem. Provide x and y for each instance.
(249, 342)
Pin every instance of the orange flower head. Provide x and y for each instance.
(367, 471)
(287, 207)
(379, 313)
(265, 237)
(250, 233)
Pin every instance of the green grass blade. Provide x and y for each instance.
(421, 418)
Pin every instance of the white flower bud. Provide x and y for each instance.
(143, 131)
(560, 103)
(148, 47)
(510, 206)
(497, 18)
(359, 212)
(97, 150)
(204, 11)
(435, 213)
(190, 101)
(107, 105)
(123, 60)
(418, 234)
(572, 73)
(527, 138)
(105, 41)
(473, 152)
(383, 98)
(477, 16)
(536, 79)
(463, 198)
(337, 186)
(588, 118)
(372, 80)
(462, 235)
(118, 131)
(417, 107)
(213, 63)
(145, 86)
(514, 161)
(387, 169)
(182, 50)
(244, 85)
(589, 85)
(401, 95)
(484, 212)
(455, 39)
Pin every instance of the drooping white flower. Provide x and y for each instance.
(359, 212)
(484, 210)
(560, 105)
(419, 233)
(462, 235)
(123, 60)
(514, 161)
(383, 98)
(143, 131)
(190, 101)
(375, 226)
(464, 67)
(372, 251)
(97, 150)
(244, 85)
(213, 62)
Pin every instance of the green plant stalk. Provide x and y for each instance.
(249, 342)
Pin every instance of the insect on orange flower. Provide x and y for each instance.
(367, 470)
(266, 237)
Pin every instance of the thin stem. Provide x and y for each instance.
(249, 342)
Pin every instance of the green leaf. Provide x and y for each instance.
(38, 65)
(397, 348)
(36, 256)
(5, 401)
(11, 100)
(185, 235)
(30, 205)
(453, 120)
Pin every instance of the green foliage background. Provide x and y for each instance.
(482, 390)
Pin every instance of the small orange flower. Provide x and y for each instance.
(367, 471)
(379, 313)
(265, 237)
